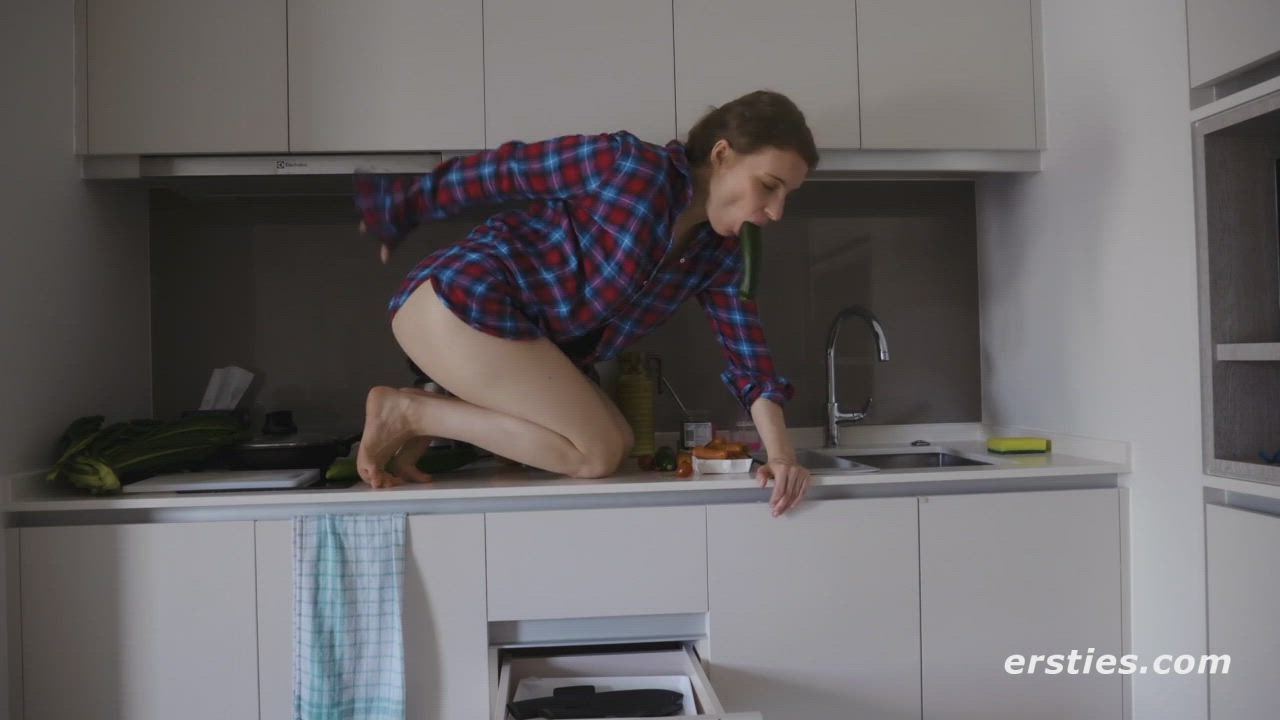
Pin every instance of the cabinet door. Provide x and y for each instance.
(445, 631)
(1229, 35)
(606, 562)
(139, 622)
(940, 74)
(805, 49)
(1019, 573)
(1243, 581)
(385, 75)
(555, 67)
(186, 76)
(816, 614)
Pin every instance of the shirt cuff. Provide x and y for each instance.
(383, 205)
(748, 387)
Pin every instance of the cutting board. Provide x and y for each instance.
(225, 480)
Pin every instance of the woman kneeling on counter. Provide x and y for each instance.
(620, 234)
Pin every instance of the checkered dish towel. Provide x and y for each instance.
(348, 644)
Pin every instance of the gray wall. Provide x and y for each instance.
(286, 288)
(73, 273)
(1089, 321)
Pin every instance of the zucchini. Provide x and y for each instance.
(434, 460)
(749, 244)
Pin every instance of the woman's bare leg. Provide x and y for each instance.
(522, 399)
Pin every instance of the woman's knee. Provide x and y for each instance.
(602, 459)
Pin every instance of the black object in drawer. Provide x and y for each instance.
(582, 701)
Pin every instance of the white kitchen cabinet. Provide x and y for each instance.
(554, 564)
(1019, 573)
(556, 67)
(815, 614)
(385, 75)
(445, 633)
(939, 74)
(806, 50)
(1242, 549)
(1229, 35)
(139, 622)
(185, 76)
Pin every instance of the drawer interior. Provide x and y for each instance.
(677, 658)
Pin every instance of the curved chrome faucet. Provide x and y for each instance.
(835, 418)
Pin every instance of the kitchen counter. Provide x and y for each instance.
(493, 487)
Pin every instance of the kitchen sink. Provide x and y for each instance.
(826, 462)
(897, 461)
(846, 461)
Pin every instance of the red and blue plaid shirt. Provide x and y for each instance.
(586, 259)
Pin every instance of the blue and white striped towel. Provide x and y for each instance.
(348, 643)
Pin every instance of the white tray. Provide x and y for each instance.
(701, 466)
(225, 480)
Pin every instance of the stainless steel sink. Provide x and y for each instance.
(824, 462)
(852, 461)
(897, 461)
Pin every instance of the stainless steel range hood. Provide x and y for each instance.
(254, 175)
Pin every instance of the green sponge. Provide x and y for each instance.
(1009, 445)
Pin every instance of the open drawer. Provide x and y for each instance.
(679, 659)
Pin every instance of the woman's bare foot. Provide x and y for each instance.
(387, 427)
(404, 466)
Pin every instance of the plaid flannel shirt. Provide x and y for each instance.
(586, 258)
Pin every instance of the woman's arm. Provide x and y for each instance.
(752, 378)
(790, 480)
(392, 205)
(772, 427)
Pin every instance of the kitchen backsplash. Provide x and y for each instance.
(285, 287)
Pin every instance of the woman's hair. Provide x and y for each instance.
(758, 119)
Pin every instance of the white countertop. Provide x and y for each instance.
(495, 482)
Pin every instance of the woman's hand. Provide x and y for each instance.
(385, 247)
(790, 481)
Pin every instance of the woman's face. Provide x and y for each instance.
(750, 187)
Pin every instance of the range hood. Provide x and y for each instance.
(254, 175)
(287, 174)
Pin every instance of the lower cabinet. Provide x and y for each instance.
(145, 622)
(1241, 551)
(1019, 573)
(445, 629)
(815, 615)
(869, 608)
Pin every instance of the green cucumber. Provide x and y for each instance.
(749, 243)
(435, 460)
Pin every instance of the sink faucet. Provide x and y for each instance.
(835, 418)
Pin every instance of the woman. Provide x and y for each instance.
(621, 233)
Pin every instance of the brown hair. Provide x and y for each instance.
(758, 119)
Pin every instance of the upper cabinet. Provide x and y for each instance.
(328, 76)
(555, 67)
(185, 76)
(385, 75)
(938, 74)
(804, 49)
(1230, 35)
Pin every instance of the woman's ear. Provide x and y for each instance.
(721, 153)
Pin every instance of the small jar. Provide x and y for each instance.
(696, 430)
